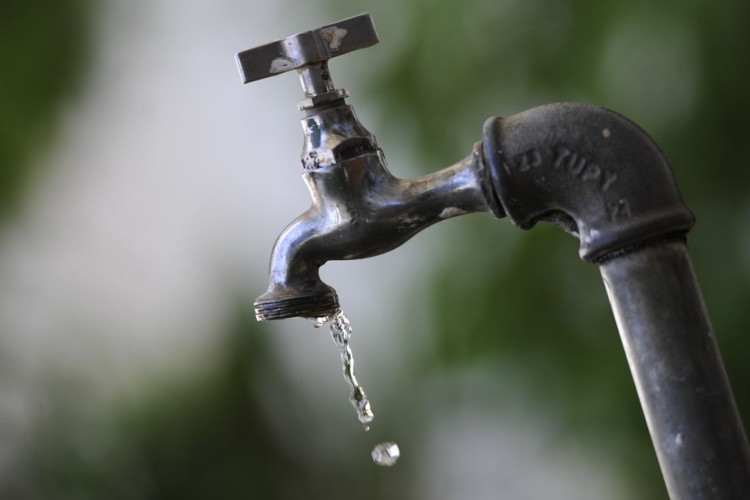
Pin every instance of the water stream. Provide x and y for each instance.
(386, 453)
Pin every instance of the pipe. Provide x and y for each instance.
(601, 178)
(678, 373)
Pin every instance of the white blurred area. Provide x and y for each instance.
(170, 179)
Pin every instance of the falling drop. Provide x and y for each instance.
(386, 454)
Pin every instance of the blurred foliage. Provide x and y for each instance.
(44, 46)
(209, 434)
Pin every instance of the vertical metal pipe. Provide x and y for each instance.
(682, 386)
(619, 207)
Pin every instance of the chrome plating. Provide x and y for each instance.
(359, 210)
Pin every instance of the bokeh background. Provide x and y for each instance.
(142, 187)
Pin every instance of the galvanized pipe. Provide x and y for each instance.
(684, 391)
(603, 179)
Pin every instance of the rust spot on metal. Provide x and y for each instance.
(333, 35)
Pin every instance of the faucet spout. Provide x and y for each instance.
(359, 210)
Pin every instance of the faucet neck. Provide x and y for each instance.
(320, 93)
(333, 134)
(316, 79)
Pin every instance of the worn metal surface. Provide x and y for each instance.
(333, 135)
(360, 210)
(587, 169)
(601, 178)
(675, 362)
(308, 48)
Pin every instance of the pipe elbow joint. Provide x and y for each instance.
(588, 170)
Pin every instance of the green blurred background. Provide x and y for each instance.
(492, 352)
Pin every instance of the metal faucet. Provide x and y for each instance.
(586, 169)
(359, 209)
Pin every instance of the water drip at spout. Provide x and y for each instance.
(384, 454)
(341, 331)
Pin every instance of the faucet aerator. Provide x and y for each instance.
(270, 306)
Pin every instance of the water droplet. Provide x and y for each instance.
(318, 322)
(361, 404)
(386, 454)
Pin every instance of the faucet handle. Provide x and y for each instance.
(309, 53)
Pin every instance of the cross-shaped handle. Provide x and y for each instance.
(307, 49)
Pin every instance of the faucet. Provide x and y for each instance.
(359, 209)
(588, 170)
